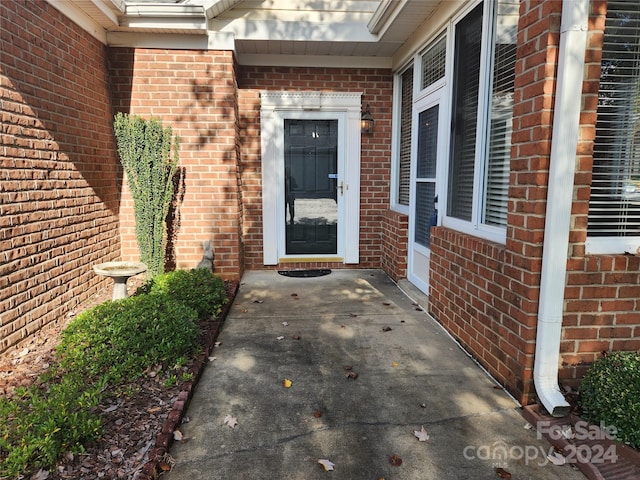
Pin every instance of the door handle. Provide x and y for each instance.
(341, 188)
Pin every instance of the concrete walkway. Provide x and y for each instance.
(409, 374)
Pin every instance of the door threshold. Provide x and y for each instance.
(311, 260)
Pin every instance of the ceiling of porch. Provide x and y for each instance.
(347, 32)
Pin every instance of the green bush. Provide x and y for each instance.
(102, 350)
(38, 425)
(198, 288)
(121, 339)
(149, 154)
(610, 393)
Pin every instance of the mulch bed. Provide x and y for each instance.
(137, 429)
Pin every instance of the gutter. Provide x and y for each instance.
(573, 43)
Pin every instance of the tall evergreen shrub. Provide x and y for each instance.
(149, 155)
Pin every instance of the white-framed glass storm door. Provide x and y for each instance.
(423, 203)
(311, 189)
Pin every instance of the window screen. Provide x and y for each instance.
(614, 206)
(434, 62)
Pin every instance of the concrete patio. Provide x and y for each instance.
(410, 374)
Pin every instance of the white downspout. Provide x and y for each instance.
(566, 120)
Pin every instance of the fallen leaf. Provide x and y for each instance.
(230, 421)
(164, 466)
(395, 460)
(421, 434)
(347, 367)
(286, 383)
(557, 458)
(296, 337)
(40, 475)
(351, 374)
(394, 364)
(326, 464)
(352, 315)
(285, 324)
(258, 301)
(154, 409)
(567, 432)
(244, 310)
(280, 337)
(178, 436)
(185, 419)
(317, 413)
(386, 329)
(294, 294)
(502, 473)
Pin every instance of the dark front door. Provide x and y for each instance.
(310, 185)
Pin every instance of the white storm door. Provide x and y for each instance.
(424, 188)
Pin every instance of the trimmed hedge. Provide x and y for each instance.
(197, 288)
(610, 393)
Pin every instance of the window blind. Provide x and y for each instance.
(406, 101)
(466, 81)
(434, 62)
(614, 205)
(496, 181)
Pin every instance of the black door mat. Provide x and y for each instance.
(305, 273)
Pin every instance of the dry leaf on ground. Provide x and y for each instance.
(326, 464)
(395, 460)
(421, 434)
(230, 421)
(502, 473)
(286, 383)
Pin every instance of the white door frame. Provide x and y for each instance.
(275, 107)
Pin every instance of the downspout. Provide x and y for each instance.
(566, 121)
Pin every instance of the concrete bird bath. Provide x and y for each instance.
(120, 272)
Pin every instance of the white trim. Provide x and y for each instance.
(612, 245)
(275, 106)
(156, 40)
(313, 61)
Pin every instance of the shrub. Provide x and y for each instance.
(120, 339)
(38, 425)
(149, 154)
(198, 288)
(610, 393)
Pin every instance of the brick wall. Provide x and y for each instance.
(195, 93)
(375, 155)
(487, 294)
(602, 306)
(394, 244)
(58, 174)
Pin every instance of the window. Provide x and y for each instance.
(479, 75)
(481, 123)
(404, 164)
(614, 206)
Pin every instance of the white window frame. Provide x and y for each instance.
(475, 227)
(595, 245)
(395, 137)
